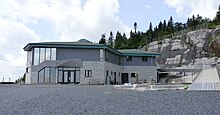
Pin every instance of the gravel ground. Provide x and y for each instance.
(102, 100)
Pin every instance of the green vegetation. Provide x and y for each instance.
(164, 29)
(21, 80)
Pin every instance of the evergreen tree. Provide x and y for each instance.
(102, 40)
(217, 17)
(164, 27)
(135, 27)
(160, 30)
(120, 41)
(178, 26)
(150, 33)
(170, 25)
(110, 40)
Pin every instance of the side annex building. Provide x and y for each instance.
(85, 62)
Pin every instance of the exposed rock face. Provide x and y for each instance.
(185, 48)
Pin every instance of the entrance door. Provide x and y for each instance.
(71, 76)
(124, 78)
(66, 76)
(74, 76)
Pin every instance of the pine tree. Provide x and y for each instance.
(135, 27)
(170, 26)
(110, 40)
(150, 33)
(217, 18)
(160, 30)
(118, 40)
(102, 40)
(164, 27)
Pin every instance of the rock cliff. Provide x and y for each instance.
(187, 47)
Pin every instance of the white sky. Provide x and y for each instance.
(25, 21)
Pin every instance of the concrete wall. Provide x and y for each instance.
(84, 54)
(97, 68)
(144, 73)
(28, 78)
(112, 58)
(112, 68)
(137, 61)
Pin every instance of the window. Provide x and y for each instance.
(144, 58)
(42, 54)
(88, 73)
(47, 75)
(36, 56)
(107, 73)
(129, 58)
(48, 53)
(133, 74)
(106, 56)
(27, 70)
(53, 53)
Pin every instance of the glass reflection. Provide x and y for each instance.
(42, 54)
(36, 56)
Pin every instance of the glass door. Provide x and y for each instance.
(72, 77)
(66, 76)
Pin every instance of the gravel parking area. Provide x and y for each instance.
(102, 100)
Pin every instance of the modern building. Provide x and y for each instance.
(87, 63)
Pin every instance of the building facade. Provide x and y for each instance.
(87, 63)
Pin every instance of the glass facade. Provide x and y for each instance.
(29, 58)
(47, 75)
(68, 75)
(36, 56)
(42, 54)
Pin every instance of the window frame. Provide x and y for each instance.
(133, 74)
(144, 58)
(129, 58)
(88, 73)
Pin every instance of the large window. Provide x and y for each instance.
(46, 75)
(36, 56)
(42, 54)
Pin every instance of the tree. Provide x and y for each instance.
(217, 17)
(135, 27)
(170, 25)
(160, 30)
(21, 80)
(110, 40)
(178, 26)
(164, 27)
(150, 33)
(102, 40)
(120, 41)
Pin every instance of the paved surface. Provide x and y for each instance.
(208, 79)
(208, 75)
(104, 100)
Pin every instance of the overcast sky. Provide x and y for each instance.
(25, 21)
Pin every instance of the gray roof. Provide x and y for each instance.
(137, 52)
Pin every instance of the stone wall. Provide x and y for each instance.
(97, 68)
